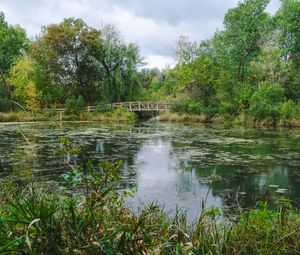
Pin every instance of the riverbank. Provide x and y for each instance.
(41, 221)
(116, 116)
(240, 120)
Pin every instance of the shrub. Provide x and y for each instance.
(228, 109)
(103, 107)
(180, 106)
(264, 102)
(74, 105)
(288, 110)
(187, 107)
(5, 104)
(195, 108)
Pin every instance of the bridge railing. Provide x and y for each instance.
(130, 106)
(144, 105)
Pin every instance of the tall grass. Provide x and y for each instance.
(117, 116)
(89, 217)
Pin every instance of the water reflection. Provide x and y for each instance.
(167, 163)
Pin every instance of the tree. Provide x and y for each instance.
(242, 38)
(117, 63)
(288, 21)
(185, 50)
(268, 67)
(63, 50)
(23, 79)
(200, 80)
(13, 44)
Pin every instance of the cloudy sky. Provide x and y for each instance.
(154, 25)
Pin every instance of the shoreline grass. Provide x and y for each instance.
(117, 116)
(36, 220)
(175, 117)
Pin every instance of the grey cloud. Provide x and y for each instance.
(154, 25)
(176, 11)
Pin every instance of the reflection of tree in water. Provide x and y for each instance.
(249, 171)
(37, 151)
(247, 161)
(7, 147)
(109, 149)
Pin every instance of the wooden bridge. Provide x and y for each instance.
(137, 106)
(143, 106)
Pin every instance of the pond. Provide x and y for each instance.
(171, 164)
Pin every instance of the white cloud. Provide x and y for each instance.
(160, 61)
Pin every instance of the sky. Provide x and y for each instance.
(154, 25)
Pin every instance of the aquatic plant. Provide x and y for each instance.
(88, 216)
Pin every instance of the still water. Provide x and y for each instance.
(173, 165)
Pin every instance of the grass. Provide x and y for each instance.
(183, 117)
(36, 220)
(169, 116)
(117, 116)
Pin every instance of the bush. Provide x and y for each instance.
(195, 108)
(264, 102)
(229, 109)
(5, 104)
(103, 107)
(180, 106)
(74, 105)
(288, 110)
(187, 107)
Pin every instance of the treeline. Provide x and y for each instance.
(251, 67)
(68, 63)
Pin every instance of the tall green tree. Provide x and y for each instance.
(243, 35)
(186, 51)
(288, 21)
(63, 50)
(13, 44)
(117, 63)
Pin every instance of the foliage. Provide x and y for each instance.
(5, 100)
(263, 229)
(117, 63)
(89, 217)
(245, 26)
(224, 77)
(13, 43)
(84, 61)
(289, 111)
(186, 107)
(63, 51)
(265, 100)
(22, 78)
(74, 105)
(288, 21)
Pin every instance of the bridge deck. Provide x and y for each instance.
(143, 106)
